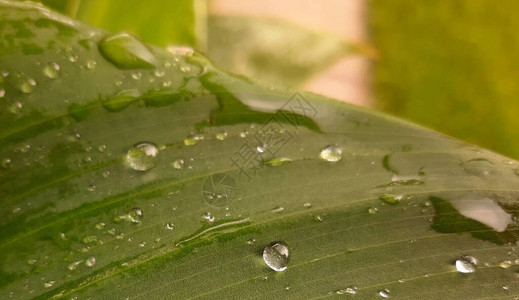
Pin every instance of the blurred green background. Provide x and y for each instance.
(448, 65)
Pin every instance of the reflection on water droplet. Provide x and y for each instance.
(384, 293)
(142, 156)
(478, 166)
(126, 52)
(331, 153)
(276, 256)
(178, 164)
(90, 262)
(52, 70)
(170, 226)
(49, 284)
(181, 50)
(391, 199)
(27, 85)
(505, 264)
(221, 136)
(466, 264)
(485, 211)
(135, 216)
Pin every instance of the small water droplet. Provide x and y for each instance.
(221, 136)
(106, 174)
(90, 262)
(278, 209)
(2, 93)
(74, 265)
(466, 264)
(276, 256)
(170, 226)
(193, 139)
(91, 188)
(142, 244)
(307, 205)
(372, 210)
(391, 199)
(27, 85)
(178, 164)
(352, 290)
(244, 134)
(73, 57)
(261, 148)
(52, 70)
(31, 261)
(384, 293)
(251, 241)
(505, 264)
(91, 64)
(89, 239)
(6, 163)
(100, 225)
(208, 217)
(180, 50)
(159, 73)
(135, 216)
(126, 52)
(49, 284)
(16, 107)
(331, 153)
(142, 156)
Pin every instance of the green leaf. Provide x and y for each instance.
(273, 50)
(119, 183)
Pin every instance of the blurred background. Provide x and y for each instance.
(448, 65)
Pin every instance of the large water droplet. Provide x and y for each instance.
(331, 153)
(478, 166)
(126, 52)
(27, 85)
(52, 70)
(142, 156)
(275, 256)
(466, 264)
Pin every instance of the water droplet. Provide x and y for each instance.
(90, 262)
(391, 199)
(384, 293)
(331, 153)
(505, 264)
(106, 174)
(142, 244)
(178, 164)
(478, 166)
(89, 239)
(352, 290)
(49, 284)
(244, 134)
(2, 93)
(276, 256)
(74, 265)
(91, 188)
(73, 57)
(170, 226)
(208, 217)
(278, 209)
(466, 264)
(193, 139)
(91, 64)
(126, 52)
(135, 216)
(142, 156)
(372, 210)
(31, 261)
(100, 225)
(16, 107)
(307, 205)
(52, 70)
(101, 148)
(27, 85)
(261, 148)
(251, 241)
(406, 180)
(6, 163)
(277, 161)
(159, 73)
(221, 136)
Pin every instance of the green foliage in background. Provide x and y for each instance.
(111, 167)
(452, 66)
